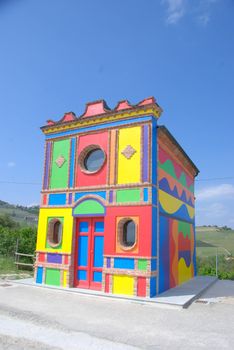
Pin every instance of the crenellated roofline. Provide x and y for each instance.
(98, 111)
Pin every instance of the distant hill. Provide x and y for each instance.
(209, 238)
(23, 215)
(209, 228)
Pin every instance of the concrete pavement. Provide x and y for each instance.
(180, 296)
(39, 318)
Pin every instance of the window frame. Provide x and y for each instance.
(120, 233)
(83, 155)
(51, 232)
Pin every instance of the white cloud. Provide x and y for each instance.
(216, 192)
(203, 19)
(11, 164)
(175, 10)
(200, 10)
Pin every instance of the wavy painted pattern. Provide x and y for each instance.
(184, 228)
(183, 242)
(184, 271)
(175, 207)
(172, 189)
(173, 251)
(186, 255)
(175, 170)
(177, 252)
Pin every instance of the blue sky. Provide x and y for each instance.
(57, 55)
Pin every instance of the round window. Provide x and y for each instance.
(92, 159)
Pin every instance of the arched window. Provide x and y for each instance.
(54, 234)
(127, 233)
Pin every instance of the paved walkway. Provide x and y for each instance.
(180, 296)
(43, 318)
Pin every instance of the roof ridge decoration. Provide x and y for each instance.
(100, 108)
(147, 101)
(68, 117)
(121, 105)
(95, 108)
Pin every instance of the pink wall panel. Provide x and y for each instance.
(100, 177)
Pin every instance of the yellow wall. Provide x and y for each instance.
(123, 285)
(129, 170)
(44, 214)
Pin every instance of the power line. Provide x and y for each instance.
(216, 178)
(39, 183)
(20, 183)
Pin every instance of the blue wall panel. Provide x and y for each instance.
(82, 275)
(164, 256)
(57, 199)
(39, 275)
(84, 226)
(152, 286)
(97, 276)
(153, 264)
(122, 263)
(145, 194)
(99, 127)
(98, 251)
(83, 251)
(99, 226)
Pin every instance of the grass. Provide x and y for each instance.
(222, 239)
(8, 267)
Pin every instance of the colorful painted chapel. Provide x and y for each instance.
(117, 203)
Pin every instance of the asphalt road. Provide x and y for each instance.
(40, 318)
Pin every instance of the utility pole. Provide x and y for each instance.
(216, 262)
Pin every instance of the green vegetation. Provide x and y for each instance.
(25, 216)
(211, 240)
(207, 266)
(220, 238)
(7, 265)
(12, 237)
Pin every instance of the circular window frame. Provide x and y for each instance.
(83, 155)
(50, 232)
(120, 233)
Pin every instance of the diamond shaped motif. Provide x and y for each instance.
(60, 161)
(128, 151)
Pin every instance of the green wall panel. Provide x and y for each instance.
(89, 206)
(133, 195)
(52, 277)
(59, 175)
(142, 264)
